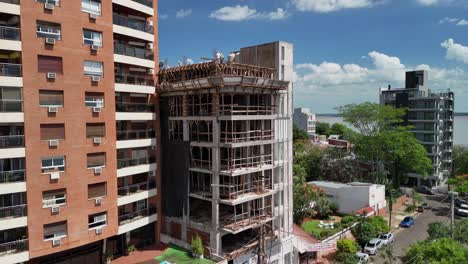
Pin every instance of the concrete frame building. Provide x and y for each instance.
(431, 114)
(305, 120)
(226, 130)
(78, 153)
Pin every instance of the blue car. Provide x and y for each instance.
(407, 222)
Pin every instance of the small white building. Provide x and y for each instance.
(354, 197)
(305, 120)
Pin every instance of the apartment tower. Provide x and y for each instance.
(78, 153)
(305, 120)
(431, 116)
(226, 129)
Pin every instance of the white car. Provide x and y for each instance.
(387, 238)
(362, 257)
(372, 246)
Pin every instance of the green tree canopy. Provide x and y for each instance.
(369, 228)
(346, 246)
(308, 156)
(299, 134)
(444, 251)
(438, 230)
(323, 128)
(371, 118)
(303, 195)
(460, 160)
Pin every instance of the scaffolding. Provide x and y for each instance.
(245, 215)
(246, 157)
(239, 131)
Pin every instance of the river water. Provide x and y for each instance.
(460, 129)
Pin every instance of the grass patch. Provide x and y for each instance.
(175, 254)
(312, 227)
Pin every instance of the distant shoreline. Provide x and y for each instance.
(336, 115)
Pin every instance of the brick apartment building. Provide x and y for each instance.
(78, 129)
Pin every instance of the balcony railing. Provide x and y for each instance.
(237, 137)
(132, 23)
(13, 211)
(135, 188)
(15, 2)
(246, 162)
(134, 107)
(235, 109)
(148, 3)
(123, 163)
(12, 176)
(11, 106)
(134, 79)
(10, 33)
(132, 216)
(14, 247)
(133, 51)
(15, 141)
(10, 69)
(135, 134)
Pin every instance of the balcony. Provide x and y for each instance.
(133, 216)
(148, 3)
(13, 141)
(10, 7)
(14, 2)
(10, 33)
(136, 188)
(12, 176)
(135, 134)
(133, 28)
(13, 249)
(133, 79)
(133, 51)
(123, 163)
(13, 211)
(10, 70)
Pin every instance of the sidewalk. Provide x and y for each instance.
(142, 256)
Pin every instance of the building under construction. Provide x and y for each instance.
(226, 133)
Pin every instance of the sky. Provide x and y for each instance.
(344, 50)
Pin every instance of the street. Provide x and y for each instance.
(405, 236)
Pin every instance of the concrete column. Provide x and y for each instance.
(215, 236)
(186, 130)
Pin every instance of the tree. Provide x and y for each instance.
(338, 129)
(346, 258)
(299, 134)
(322, 128)
(371, 118)
(346, 246)
(322, 208)
(197, 245)
(370, 228)
(308, 156)
(460, 184)
(442, 250)
(337, 165)
(304, 195)
(438, 230)
(460, 231)
(460, 160)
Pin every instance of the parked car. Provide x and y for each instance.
(387, 238)
(362, 257)
(461, 203)
(372, 246)
(461, 212)
(407, 222)
(425, 190)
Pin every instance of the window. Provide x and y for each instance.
(91, 6)
(55, 2)
(95, 130)
(97, 220)
(282, 52)
(52, 131)
(140, 205)
(282, 72)
(55, 230)
(11, 99)
(97, 190)
(96, 160)
(50, 164)
(48, 30)
(94, 100)
(92, 37)
(93, 68)
(287, 258)
(49, 64)
(54, 198)
(50, 98)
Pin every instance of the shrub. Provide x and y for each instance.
(346, 258)
(346, 246)
(348, 220)
(131, 248)
(410, 208)
(197, 245)
(334, 208)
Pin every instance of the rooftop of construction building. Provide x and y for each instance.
(218, 74)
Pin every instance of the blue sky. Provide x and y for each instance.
(344, 49)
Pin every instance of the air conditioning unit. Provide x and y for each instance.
(53, 143)
(97, 170)
(51, 75)
(150, 46)
(53, 109)
(93, 16)
(55, 209)
(50, 41)
(149, 22)
(150, 71)
(152, 173)
(98, 201)
(95, 78)
(54, 175)
(56, 242)
(49, 6)
(153, 147)
(95, 47)
(97, 109)
(97, 140)
(98, 231)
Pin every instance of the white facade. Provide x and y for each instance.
(350, 197)
(305, 120)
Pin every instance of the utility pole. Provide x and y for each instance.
(390, 207)
(452, 211)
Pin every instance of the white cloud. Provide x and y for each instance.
(440, 2)
(325, 6)
(452, 20)
(428, 2)
(327, 85)
(242, 13)
(462, 22)
(183, 13)
(455, 51)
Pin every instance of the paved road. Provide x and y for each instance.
(405, 237)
